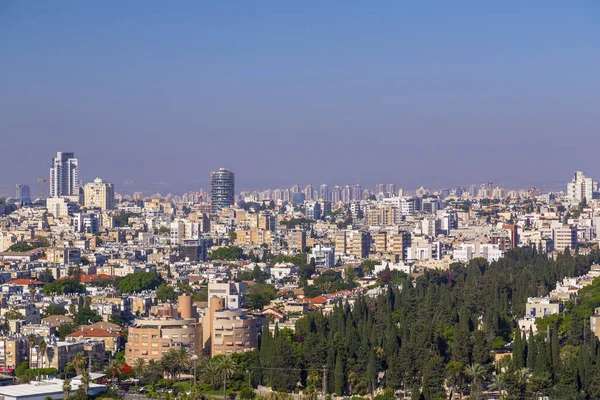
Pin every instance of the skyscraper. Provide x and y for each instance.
(324, 192)
(22, 194)
(222, 189)
(64, 175)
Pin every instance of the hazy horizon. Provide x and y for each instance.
(414, 94)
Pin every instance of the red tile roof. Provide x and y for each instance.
(24, 282)
(317, 300)
(93, 332)
(85, 278)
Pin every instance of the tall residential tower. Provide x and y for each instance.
(222, 189)
(64, 175)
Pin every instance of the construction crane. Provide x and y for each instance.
(43, 182)
(491, 196)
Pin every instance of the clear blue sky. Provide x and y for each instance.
(413, 92)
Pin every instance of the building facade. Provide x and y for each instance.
(64, 175)
(99, 194)
(222, 189)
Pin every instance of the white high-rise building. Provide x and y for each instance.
(64, 175)
(581, 188)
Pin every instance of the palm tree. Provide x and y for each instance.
(498, 381)
(85, 381)
(139, 367)
(183, 360)
(32, 340)
(113, 371)
(66, 389)
(209, 372)
(227, 368)
(169, 364)
(477, 373)
(32, 293)
(42, 347)
(79, 363)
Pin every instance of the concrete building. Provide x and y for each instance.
(64, 175)
(465, 252)
(86, 222)
(538, 307)
(581, 188)
(233, 293)
(228, 331)
(564, 237)
(22, 194)
(324, 256)
(150, 338)
(313, 210)
(60, 206)
(52, 388)
(222, 189)
(296, 240)
(99, 194)
(13, 351)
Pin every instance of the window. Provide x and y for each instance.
(154, 336)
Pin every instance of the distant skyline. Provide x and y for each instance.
(413, 93)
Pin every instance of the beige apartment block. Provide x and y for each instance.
(99, 194)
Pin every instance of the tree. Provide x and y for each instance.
(86, 379)
(14, 315)
(209, 372)
(339, 375)
(32, 341)
(66, 387)
(477, 373)
(53, 309)
(165, 293)
(135, 283)
(433, 379)
(226, 369)
(229, 253)
(139, 368)
(79, 362)
(20, 247)
(43, 347)
(63, 286)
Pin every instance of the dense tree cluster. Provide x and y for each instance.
(135, 283)
(64, 286)
(229, 253)
(439, 331)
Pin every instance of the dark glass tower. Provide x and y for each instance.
(222, 189)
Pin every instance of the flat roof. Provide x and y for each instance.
(44, 387)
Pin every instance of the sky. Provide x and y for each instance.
(433, 93)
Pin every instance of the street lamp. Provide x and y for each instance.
(195, 360)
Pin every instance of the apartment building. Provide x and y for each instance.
(228, 331)
(296, 240)
(564, 237)
(150, 338)
(99, 194)
(324, 256)
(13, 351)
(538, 307)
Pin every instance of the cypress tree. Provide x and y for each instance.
(339, 374)
(372, 372)
(531, 351)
